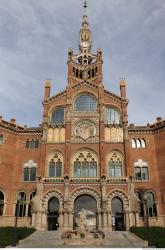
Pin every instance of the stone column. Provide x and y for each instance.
(99, 224)
(65, 222)
(137, 219)
(26, 211)
(109, 217)
(44, 221)
(71, 219)
(38, 220)
(60, 219)
(104, 219)
(33, 219)
(127, 222)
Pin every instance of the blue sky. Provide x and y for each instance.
(35, 36)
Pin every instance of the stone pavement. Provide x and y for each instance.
(52, 239)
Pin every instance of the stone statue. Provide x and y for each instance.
(134, 201)
(37, 199)
(82, 221)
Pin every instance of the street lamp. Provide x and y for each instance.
(145, 210)
(14, 239)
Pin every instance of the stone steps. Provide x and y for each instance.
(42, 239)
(52, 239)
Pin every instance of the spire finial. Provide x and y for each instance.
(85, 7)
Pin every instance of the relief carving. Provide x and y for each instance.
(85, 130)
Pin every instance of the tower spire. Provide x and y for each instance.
(85, 36)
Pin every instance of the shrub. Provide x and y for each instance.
(154, 235)
(6, 234)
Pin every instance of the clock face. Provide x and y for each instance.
(85, 44)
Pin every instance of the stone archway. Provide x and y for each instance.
(89, 193)
(118, 203)
(52, 203)
(82, 191)
(88, 204)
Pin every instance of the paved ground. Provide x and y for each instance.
(52, 239)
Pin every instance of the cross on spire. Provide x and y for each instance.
(85, 7)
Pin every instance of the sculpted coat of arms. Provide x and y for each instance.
(85, 130)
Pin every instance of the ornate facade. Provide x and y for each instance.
(84, 155)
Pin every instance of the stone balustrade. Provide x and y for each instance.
(53, 180)
(117, 180)
(84, 180)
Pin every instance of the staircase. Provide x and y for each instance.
(52, 239)
(45, 239)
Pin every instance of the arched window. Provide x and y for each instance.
(37, 143)
(85, 165)
(58, 168)
(55, 166)
(1, 139)
(85, 103)
(20, 210)
(133, 143)
(141, 170)
(58, 116)
(30, 207)
(138, 143)
(115, 165)
(1, 203)
(151, 206)
(143, 143)
(29, 170)
(112, 116)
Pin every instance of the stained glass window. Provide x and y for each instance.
(85, 103)
(58, 116)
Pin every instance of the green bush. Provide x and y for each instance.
(6, 234)
(154, 235)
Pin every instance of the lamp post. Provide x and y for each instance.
(14, 239)
(146, 222)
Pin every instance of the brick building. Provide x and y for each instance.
(83, 155)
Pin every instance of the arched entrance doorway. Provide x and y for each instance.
(88, 203)
(53, 214)
(117, 214)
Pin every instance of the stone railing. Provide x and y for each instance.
(84, 180)
(51, 180)
(117, 180)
